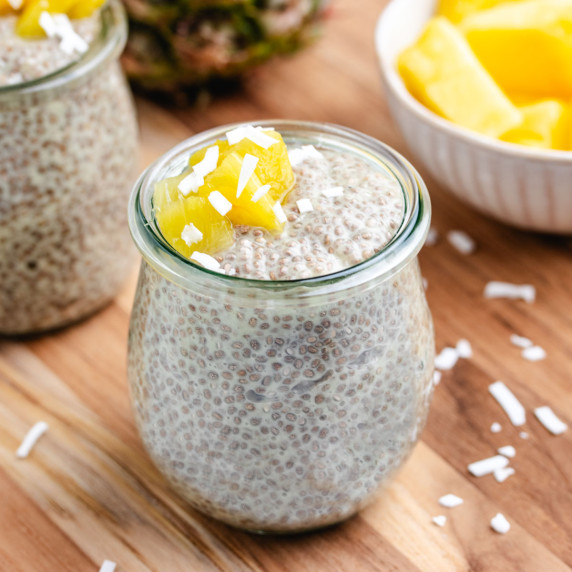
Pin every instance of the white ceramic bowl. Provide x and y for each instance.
(521, 186)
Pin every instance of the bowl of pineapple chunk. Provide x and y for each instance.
(482, 93)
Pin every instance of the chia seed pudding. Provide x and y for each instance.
(68, 155)
(282, 405)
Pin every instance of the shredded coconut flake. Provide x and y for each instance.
(450, 501)
(47, 24)
(461, 241)
(192, 182)
(501, 475)
(523, 435)
(191, 234)
(219, 202)
(208, 163)
(255, 134)
(500, 524)
(235, 136)
(16, 4)
(279, 212)
(206, 260)
(259, 193)
(549, 420)
(425, 283)
(436, 377)
(533, 353)
(332, 192)
(511, 405)
(464, 349)
(31, 438)
(520, 341)
(108, 566)
(432, 237)
(247, 169)
(487, 466)
(299, 155)
(446, 359)
(496, 427)
(525, 292)
(507, 451)
(70, 41)
(304, 206)
(440, 520)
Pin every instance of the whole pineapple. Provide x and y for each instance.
(182, 44)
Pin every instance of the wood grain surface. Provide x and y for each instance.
(88, 491)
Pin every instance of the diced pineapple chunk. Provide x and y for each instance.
(525, 46)
(442, 72)
(244, 210)
(28, 24)
(273, 165)
(456, 10)
(216, 230)
(84, 8)
(545, 125)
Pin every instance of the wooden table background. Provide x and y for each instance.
(88, 492)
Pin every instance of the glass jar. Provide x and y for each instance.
(281, 406)
(68, 159)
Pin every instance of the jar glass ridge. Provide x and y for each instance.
(281, 406)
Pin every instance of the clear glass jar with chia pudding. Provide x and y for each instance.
(284, 405)
(68, 159)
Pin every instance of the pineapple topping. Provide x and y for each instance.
(33, 22)
(238, 181)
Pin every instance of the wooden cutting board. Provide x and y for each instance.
(88, 492)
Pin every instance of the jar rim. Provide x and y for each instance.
(108, 44)
(403, 246)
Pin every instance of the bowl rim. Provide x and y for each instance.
(393, 81)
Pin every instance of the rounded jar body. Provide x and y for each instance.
(282, 406)
(68, 156)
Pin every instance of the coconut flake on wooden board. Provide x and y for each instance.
(440, 520)
(461, 241)
(487, 466)
(450, 500)
(533, 353)
(511, 405)
(549, 420)
(31, 439)
(500, 524)
(496, 289)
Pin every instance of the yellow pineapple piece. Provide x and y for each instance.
(5, 7)
(84, 8)
(199, 155)
(525, 46)
(273, 165)
(244, 210)
(28, 24)
(192, 224)
(442, 72)
(546, 124)
(167, 191)
(456, 10)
